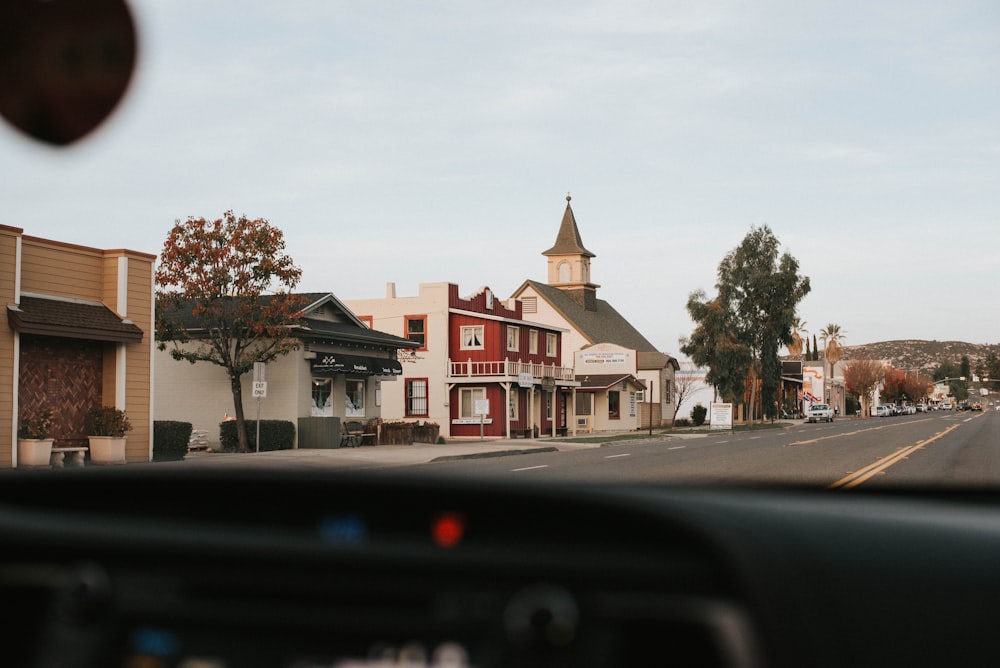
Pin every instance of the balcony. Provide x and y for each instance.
(508, 371)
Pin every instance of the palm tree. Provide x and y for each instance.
(798, 328)
(832, 335)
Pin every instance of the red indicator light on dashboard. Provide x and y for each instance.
(448, 529)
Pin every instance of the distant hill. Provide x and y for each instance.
(922, 355)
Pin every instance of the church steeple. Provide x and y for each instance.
(569, 262)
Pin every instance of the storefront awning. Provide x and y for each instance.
(327, 364)
(68, 318)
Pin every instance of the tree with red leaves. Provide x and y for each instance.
(224, 295)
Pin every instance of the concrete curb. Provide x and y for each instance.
(492, 453)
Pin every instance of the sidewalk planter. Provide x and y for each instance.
(107, 428)
(34, 452)
(107, 449)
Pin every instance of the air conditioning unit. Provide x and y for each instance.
(582, 421)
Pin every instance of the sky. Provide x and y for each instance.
(437, 141)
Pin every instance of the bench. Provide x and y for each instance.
(353, 434)
(76, 456)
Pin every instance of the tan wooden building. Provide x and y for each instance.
(77, 334)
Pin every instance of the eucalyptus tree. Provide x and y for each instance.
(739, 332)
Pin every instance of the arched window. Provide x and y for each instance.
(564, 270)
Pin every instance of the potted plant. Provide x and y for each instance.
(106, 431)
(34, 447)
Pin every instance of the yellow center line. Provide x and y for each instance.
(858, 477)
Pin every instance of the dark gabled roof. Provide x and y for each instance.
(657, 360)
(351, 330)
(606, 381)
(312, 328)
(602, 325)
(568, 240)
(69, 318)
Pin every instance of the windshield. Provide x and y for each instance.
(655, 242)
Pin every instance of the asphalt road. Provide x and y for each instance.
(938, 448)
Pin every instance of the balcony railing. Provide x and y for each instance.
(507, 369)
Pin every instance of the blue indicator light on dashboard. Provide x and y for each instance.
(155, 642)
(348, 528)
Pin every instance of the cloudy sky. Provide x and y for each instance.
(417, 142)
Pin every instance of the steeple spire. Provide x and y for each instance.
(569, 262)
(568, 240)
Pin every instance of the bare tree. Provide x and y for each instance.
(684, 387)
(862, 378)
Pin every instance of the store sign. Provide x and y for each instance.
(602, 358)
(524, 379)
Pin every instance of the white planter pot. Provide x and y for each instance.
(34, 452)
(107, 449)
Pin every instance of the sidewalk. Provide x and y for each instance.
(376, 456)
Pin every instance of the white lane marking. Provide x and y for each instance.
(754, 438)
(717, 442)
(677, 447)
(528, 468)
(621, 455)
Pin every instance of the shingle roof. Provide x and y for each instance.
(606, 381)
(602, 325)
(315, 328)
(75, 319)
(568, 240)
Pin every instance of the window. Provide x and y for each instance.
(584, 403)
(472, 337)
(666, 391)
(467, 401)
(512, 404)
(564, 272)
(614, 405)
(533, 342)
(322, 397)
(416, 330)
(550, 345)
(513, 338)
(355, 398)
(549, 400)
(416, 397)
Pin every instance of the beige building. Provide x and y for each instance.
(569, 301)
(78, 335)
(338, 373)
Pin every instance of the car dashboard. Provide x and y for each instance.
(147, 566)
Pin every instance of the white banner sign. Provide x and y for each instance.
(722, 416)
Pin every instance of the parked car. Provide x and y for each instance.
(820, 412)
(882, 410)
(922, 408)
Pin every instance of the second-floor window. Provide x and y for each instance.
(533, 341)
(513, 338)
(416, 397)
(472, 337)
(550, 345)
(416, 330)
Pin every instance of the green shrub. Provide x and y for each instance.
(698, 414)
(170, 440)
(274, 435)
(682, 422)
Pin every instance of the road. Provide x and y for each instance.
(938, 448)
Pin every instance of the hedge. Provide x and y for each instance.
(170, 440)
(274, 435)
